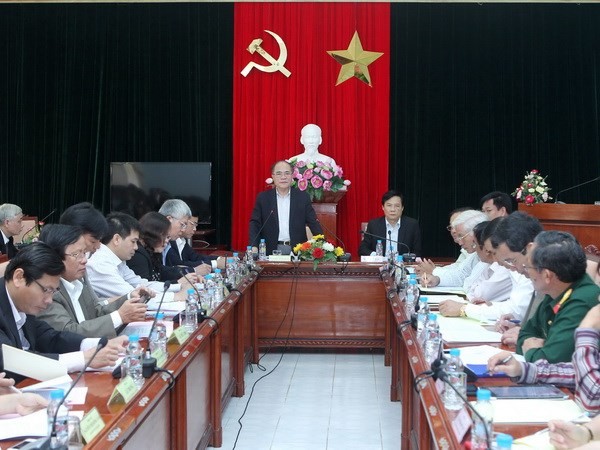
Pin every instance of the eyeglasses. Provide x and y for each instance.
(192, 224)
(183, 224)
(79, 256)
(526, 267)
(287, 173)
(460, 238)
(47, 290)
(512, 262)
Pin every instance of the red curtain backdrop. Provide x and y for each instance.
(269, 109)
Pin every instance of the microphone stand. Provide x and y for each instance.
(53, 444)
(573, 187)
(149, 363)
(408, 255)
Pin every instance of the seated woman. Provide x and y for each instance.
(496, 290)
(581, 374)
(147, 260)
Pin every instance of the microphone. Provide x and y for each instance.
(149, 363)
(346, 256)
(101, 344)
(573, 187)
(409, 255)
(201, 311)
(254, 241)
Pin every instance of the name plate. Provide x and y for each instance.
(373, 259)
(461, 424)
(91, 425)
(161, 357)
(280, 258)
(123, 392)
(179, 336)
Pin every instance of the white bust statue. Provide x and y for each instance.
(310, 138)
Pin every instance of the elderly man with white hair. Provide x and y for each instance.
(11, 224)
(455, 276)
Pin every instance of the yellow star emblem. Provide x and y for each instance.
(354, 61)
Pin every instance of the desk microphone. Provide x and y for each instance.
(573, 187)
(101, 344)
(254, 242)
(346, 256)
(201, 311)
(149, 363)
(408, 256)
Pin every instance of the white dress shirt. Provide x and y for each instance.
(283, 213)
(455, 274)
(391, 236)
(517, 303)
(493, 283)
(109, 276)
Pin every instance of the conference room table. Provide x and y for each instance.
(351, 306)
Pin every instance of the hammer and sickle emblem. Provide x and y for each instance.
(276, 64)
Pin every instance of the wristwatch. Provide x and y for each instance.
(463, 311)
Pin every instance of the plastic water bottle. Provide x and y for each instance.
(238, 267)
(230, 272)
(409, 303)
(158, 339)
(134, 360)
(481, 430)
(379, 248)
(219, 286)
(503, 441)
(400, 274)
(249, 258)
(422, 317)
(262, 250)
(191, 312)
(456, 376)
(61, 426)
(433, 338)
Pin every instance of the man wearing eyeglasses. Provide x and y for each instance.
(11, 224)
(32, 277)
(280, 215)
(76, 307)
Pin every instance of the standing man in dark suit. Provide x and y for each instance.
(31, 279)
(280, 215)
(11, 224)
(393, 228)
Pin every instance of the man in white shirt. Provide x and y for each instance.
(107, 271)
(31, 279)
(76, 307)
(496, 204)
(11, 224)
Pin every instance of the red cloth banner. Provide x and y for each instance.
(270, 109)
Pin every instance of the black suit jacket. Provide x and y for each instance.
(188, 257)
(9, 248)
(265, 215)
(409, 234)
(42, 337)
(146, 265)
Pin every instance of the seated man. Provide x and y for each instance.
(11, 224)
(398, 234)
(31, 278)
(76, 307)
(496, 204)
(91, 221)
(107, 271)
(497, 291)
(456, 276)
(581, 374)
(558, 270)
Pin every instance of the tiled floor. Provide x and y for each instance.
(315, 401)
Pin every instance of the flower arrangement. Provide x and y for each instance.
(33, 234)
(533, 189)
(316, 178)
(318, 250)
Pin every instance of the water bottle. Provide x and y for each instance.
(409, 303)
(191, 312)
(379, 248)
(262, 250)
(237, 269)
(249, 258)
(456, 376)
(422, 317)
(482, 429)
(61, 426)
(219, 286)
(230, 272)
(134, 360)
(503, 441)
(400, 274)
(158, 339)
(433, 339)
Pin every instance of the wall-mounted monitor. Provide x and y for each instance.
(139, 187)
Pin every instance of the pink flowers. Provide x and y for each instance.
(302, 185)
(327, 185)
(530, 199)
(317, 177)
(307, 174)
(316, 182)
(326, 174)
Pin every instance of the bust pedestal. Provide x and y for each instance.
(326, 210)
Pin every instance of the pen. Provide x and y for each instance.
(15, 390)
(504, 361)
(578, 419)
(515, 321)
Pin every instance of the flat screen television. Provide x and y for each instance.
(139, 187)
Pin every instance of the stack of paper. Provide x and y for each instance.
(462, 329)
